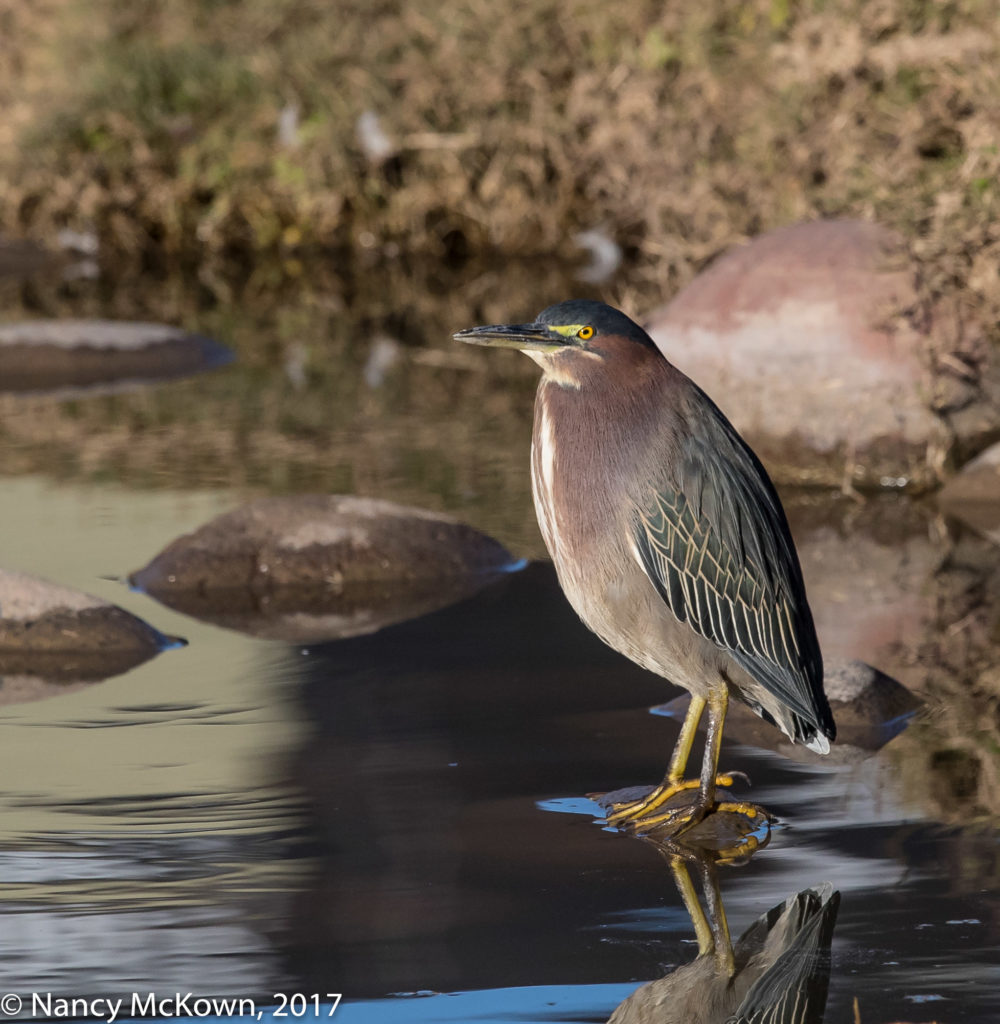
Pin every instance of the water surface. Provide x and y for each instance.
(402, 817)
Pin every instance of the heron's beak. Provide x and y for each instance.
(520, 336)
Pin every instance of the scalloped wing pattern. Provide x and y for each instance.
(725, 596)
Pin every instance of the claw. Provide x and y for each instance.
(739, 853)
(635, 813)
(654, 813)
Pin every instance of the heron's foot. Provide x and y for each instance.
(666, 803)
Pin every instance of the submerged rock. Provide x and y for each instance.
(815, 342)
(317, 567)
(57, 634)
(722, 831)
(57, 355)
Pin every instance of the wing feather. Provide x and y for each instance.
(713, 539)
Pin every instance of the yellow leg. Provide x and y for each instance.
(702, 929)
(673, 781)
(641, 813)
(682, 748)
(711, 930)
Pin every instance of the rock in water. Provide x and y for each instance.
(869, 707)
(57, 355)
(55, 633)
(317, 567)
(974, 494)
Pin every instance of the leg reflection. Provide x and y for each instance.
(777, 971)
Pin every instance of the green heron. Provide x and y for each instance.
(668, 538)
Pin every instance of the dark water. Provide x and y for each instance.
(401, 818)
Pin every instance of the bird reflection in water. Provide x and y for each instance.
(777, 971)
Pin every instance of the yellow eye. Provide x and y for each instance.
(585, 333)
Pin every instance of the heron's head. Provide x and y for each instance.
(570, 340)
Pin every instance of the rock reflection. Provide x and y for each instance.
(777, 971)
(303, 615)
(948, 760)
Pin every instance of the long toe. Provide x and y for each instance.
(668, 823)
(634, 810)
(665, 802)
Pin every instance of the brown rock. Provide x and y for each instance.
(321, 566)
(56, 355)
(813, 340)
(974, 494)
(56, 634)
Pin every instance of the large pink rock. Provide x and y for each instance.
(814, 341)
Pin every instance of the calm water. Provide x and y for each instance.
(401, 818)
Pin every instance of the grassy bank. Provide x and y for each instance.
(198, 130)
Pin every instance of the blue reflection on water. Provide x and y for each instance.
(540, 1004)
(572, 805)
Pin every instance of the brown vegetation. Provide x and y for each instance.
(677, 128)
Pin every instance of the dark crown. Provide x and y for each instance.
(603, 318)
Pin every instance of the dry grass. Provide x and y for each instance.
(678, 128)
